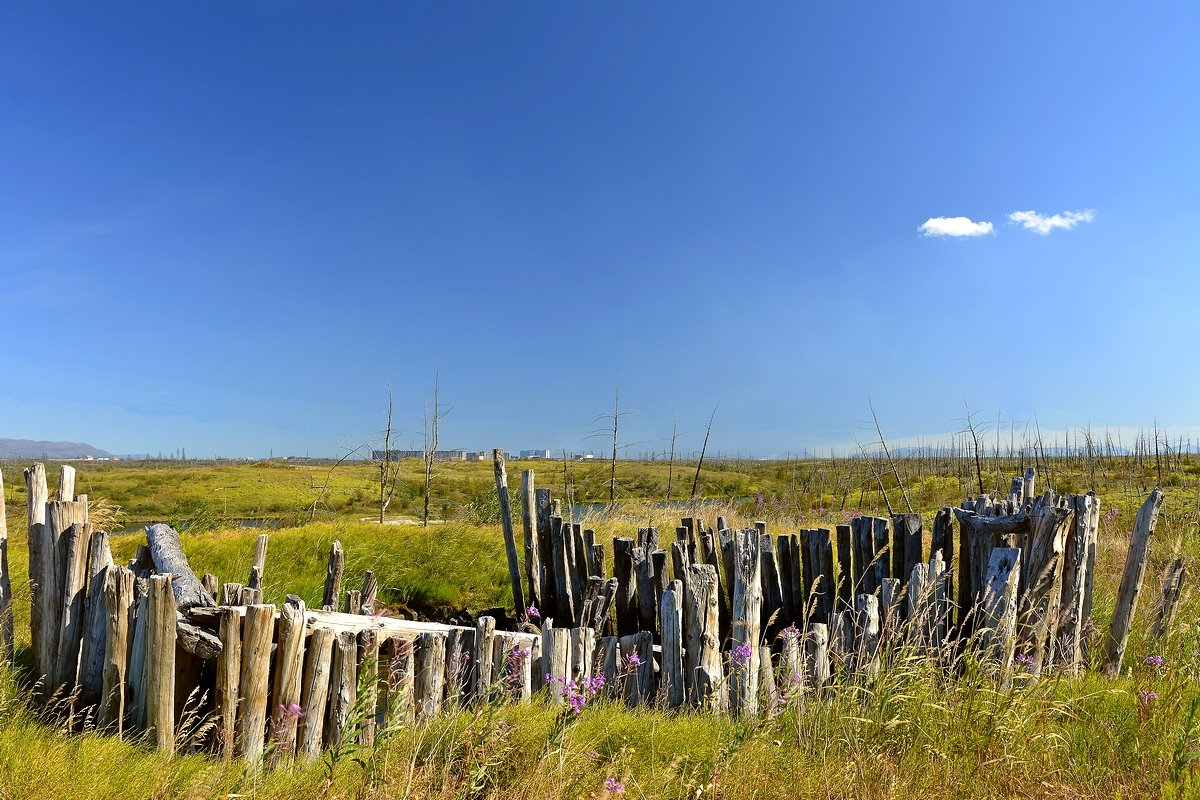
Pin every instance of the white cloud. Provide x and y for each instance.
(954, 226)
(1042, 224)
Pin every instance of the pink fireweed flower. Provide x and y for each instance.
(633, 660)
(741, 655)
(291, 709)
(1155, 661)
(615, 786)
(533, 613)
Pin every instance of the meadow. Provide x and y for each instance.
(911, 731)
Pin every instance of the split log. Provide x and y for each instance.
(60, 516)
(547, 593)
(483, 661)
(333, 576)
(160, 663)
(816, 651)
(367, 676)
(289, 670)
(430, 669)
(626, 602)
(74, 544)
(1172, 590)
(117, 587)
(40, 560)
(561, 567)
(211, 584)
(136, 673)
(533, 561)
(1131, 582)
(169, 559)
(820, 547)
(583, 654)
(1041, 573)
(510, 540)
(231, 594)
(998, 610)
(747, 602)
(253, 686)
(228, 680)
(1075, 560)
(6, 597)
(369, 594)
(343, 687)
(259, 565)
(314, 695)
(866, 636)
(197, 641)
(704, 675)
(672, 645)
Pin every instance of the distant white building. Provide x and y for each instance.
(535, 454)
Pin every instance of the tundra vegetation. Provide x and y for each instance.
(912, 731)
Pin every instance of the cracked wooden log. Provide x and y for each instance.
(169, 559)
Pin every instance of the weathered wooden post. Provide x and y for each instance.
(640, 687)
(484, 664)
(747, 602)
(998, 609)
(289, 670)
(866, 636)
(91, 658)
(533, 561)
(40, 559)
(845, 578)
(160, 663)
(228, 679)
(259, 566)
(1042, 580)
(704, 674)
(314, 696)
(510, 539)
(625, 606)
(1173, 580)
(430, 671)
(6, 598)
(343, 686)
(369, 594)
(1087, 513)
(816, 650)
(396, 660)
(118, 599)
(1131, 582)
(333, 577)
(672, 645)
(60, 516)
(253, 687)
(367, 676)
(70, 633)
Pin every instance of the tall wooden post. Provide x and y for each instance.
(510, 539)
(1131, 582)
(160, 663)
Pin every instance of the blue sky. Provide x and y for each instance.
(229, 226)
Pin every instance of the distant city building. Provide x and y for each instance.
(439, 455)
(535, 454)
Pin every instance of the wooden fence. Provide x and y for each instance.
(736, 620)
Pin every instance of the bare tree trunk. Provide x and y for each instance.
(671, 463)
(703, 448)
(387, 472)
(431, 445)
(612, 476)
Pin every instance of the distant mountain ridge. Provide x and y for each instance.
(30, 448)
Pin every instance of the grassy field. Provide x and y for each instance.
(912, 733)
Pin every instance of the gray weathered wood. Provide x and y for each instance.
(482, 658)
(353, 603)
(228, 680)
(533, 558)
(70, 633)
(259, 565)
(369, 594)
(430, 669)
(169, 559)
(117, 583)
(135, 675)
(845, 576)
(6, 596)
(704, 675)
(1075, 561)
(747, 603)
(211, 584)
(333, 576)
(343, 687)
(60, 516)
(1041, 581)
(510, 539)
(866, 636)
(397, 670)
(816, 651)
(288, 675)
(196, 641)
(998, 609)
(672, 645)
(253, 687)
(625, 606)
(583, 654)
(1173, 581)
(643, 567)
(561, 567)
(1131, 582)
(547, 593)
(639, 688)
(367, 675)
(160, 663)
(314, 694)
(40, 557)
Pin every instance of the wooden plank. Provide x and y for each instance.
(314, 694)
(253, 687)
(228, 680)
(673, 688)
(117, 588)
(533, 558)
(367, 675)
(1131, 583)
(288, 675)
(626, 602)
(259, 565)
(1042, 581)
(160, 663)
(1173, 581)
(747, 604)
(40, 559)
(704, 675)
(910, 543)
(6, 596)
(998, 610)
(343, 687)
(845, 577)
(816, 652)
(136, 673)
(334, 571)
(510, 539)
(882, 557)
(639, 689)
(548, 593)
(430, 670)
(70, 635)
(482, 658)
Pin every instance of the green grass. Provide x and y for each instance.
(911, 734)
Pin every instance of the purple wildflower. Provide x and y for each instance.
(790, 632)
(1155, 661)
(291, 709)
(741, 655)
(1147, 696)
(594, 684)
(533, 613)
(633, 660)
(615, 786)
